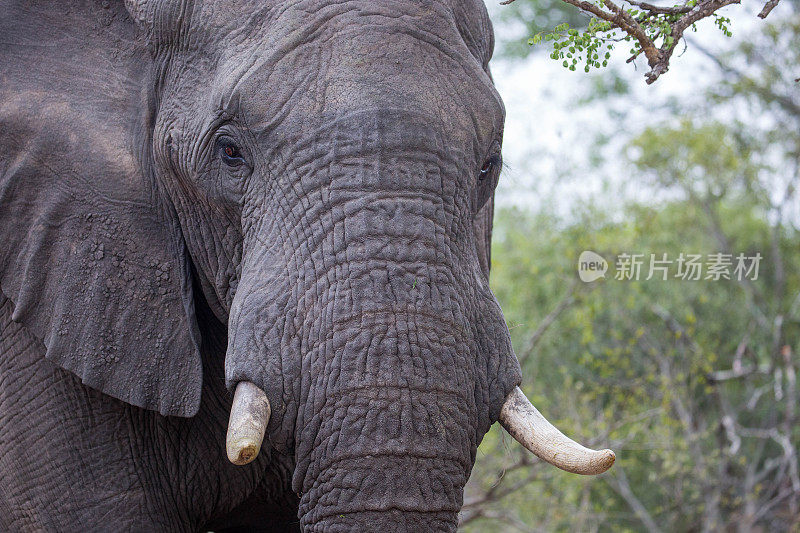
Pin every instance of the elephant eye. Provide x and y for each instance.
(230, 154)
(488, 167)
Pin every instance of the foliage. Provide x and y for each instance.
(522, 19)
(600, 36)
(692, 383)
(574, 47)
(650, 30)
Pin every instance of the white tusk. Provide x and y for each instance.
(527, 425)
(248, 422)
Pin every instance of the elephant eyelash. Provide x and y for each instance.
(489, 166)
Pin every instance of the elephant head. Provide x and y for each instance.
(323, 172)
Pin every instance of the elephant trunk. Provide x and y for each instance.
(385, 457)
(389, 520)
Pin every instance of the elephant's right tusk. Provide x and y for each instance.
(248, 422)
(527, 425)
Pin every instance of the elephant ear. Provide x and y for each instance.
(91, 254)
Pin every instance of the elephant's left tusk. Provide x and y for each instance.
(248, 422)
(527, 425)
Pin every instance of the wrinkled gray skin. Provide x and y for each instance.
(338, 261)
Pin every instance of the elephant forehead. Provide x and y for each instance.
(352, 56)
(290, 23)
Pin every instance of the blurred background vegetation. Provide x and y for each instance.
(692, 383)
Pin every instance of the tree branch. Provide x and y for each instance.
(768, 7)
(567, 301)
(675, 10)
(657, 57)
(622, 487)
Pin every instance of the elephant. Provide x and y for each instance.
(244, 266)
